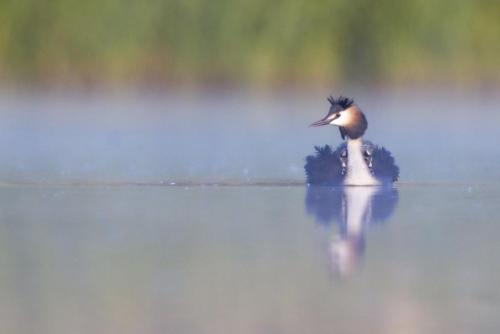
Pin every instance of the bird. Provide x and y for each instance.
(355, 162)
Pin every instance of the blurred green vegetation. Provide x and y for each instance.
(255, 41)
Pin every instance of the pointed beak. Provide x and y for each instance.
(321, 122)
(324, 121)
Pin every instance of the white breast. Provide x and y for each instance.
(358, 173)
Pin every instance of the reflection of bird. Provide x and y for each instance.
(356, 162)
(354, 209)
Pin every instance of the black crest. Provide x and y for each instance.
(342, 101)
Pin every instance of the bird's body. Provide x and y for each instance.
(354, 162)
(358, 172)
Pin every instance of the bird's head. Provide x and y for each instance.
(346, 115)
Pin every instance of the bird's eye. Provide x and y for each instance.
(338, 115)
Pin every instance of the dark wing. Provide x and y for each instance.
(383, 165)
(325, 167)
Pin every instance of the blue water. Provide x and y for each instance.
(112, 221)
(237, 136)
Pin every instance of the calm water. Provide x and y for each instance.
(105, 258)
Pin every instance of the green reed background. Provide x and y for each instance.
(249, 41)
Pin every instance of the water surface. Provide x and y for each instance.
(243, 259)
(112, 222)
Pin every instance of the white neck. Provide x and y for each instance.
(358, 173)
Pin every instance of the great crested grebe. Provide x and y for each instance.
(357, 162)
